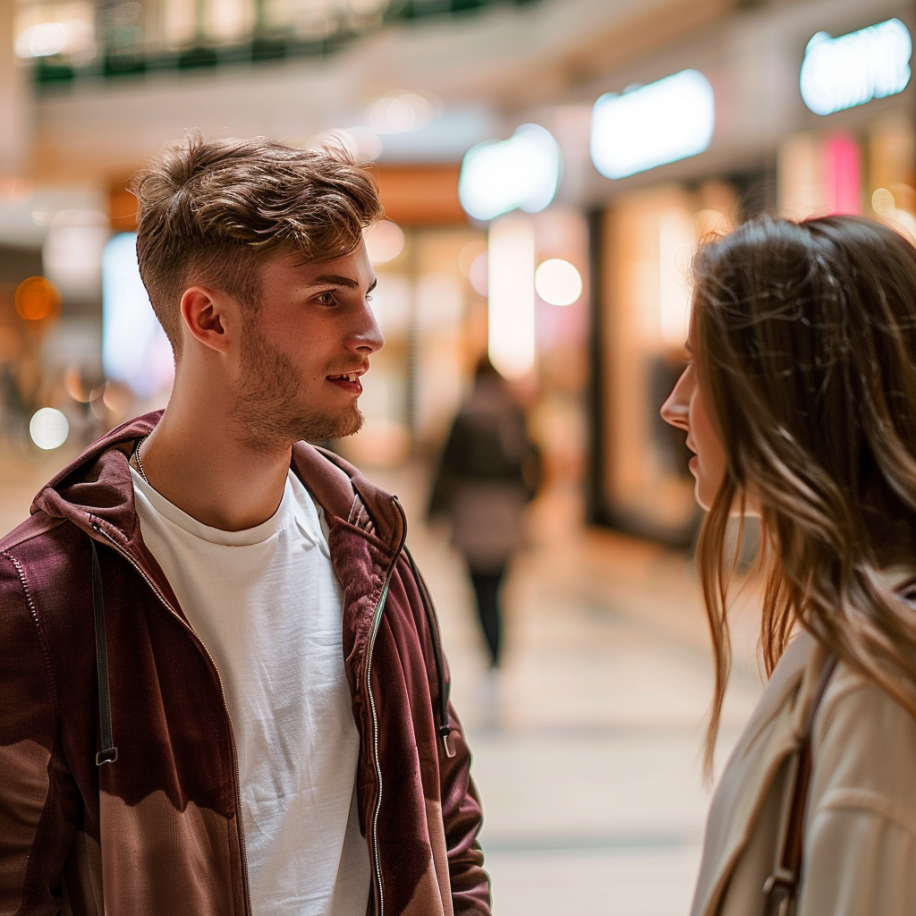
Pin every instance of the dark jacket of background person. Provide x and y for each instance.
(158, 830)
(487, 474)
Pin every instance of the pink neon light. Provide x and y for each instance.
(843, 174)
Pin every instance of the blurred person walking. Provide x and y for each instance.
(221, 684)
(488, 472)
(799, 404)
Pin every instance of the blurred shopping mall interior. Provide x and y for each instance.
(547, 167)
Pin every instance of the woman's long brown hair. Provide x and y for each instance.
(805, 347)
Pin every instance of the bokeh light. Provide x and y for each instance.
(469, 254)
(649, 126)
(521, 173)
(48, 428)
(479, 274)
(843, 72)
(399, 112)
(37, 298)
(558, 282)
(384, 241)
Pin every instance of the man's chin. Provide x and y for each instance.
(336, 428)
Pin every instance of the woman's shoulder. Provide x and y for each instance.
(864, 750)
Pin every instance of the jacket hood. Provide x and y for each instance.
(97, 486)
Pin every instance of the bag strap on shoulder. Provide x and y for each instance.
(781, 888)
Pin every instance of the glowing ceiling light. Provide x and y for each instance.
(652, 125)
(853, 69)
(521, 173)
(558, 282)
(48, 428)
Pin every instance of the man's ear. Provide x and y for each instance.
(204, 313)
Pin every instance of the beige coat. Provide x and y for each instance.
(860, 836)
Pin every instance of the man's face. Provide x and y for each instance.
(303, 351)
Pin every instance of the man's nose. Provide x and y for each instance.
(369, 337)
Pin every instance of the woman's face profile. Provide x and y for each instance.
(686, 409)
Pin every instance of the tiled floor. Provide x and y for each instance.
(588, 747)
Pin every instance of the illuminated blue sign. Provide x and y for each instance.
(853, 69)
(651, 125)
(521, 173)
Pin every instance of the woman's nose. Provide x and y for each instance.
(675, 408)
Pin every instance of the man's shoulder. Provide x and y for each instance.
(36, 526)
(40, 554)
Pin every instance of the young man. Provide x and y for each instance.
(221, 685)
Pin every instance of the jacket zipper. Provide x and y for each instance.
(376, 622)
(235, 757)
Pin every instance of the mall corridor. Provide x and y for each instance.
(588, 748)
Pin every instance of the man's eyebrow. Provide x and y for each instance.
(348, 282)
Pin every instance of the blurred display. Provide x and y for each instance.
(844, 72)
(652, 125)
(521, 173)
(135, 350)
(510, 288)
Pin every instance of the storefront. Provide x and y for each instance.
(851, 149)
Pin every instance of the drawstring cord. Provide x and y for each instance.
(445, 728)
(108, 753)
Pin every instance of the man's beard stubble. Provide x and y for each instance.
(267, 408)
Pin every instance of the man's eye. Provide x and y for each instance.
(326, 298)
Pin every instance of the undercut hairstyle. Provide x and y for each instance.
(212, 212)
(805, 349)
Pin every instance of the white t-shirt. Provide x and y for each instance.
(267, 605)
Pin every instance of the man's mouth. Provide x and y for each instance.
(348, 381)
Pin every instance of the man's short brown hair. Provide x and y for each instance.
(219, 208)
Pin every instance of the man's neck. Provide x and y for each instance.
(194, 459)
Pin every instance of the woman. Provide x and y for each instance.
(799, 405)
(487, 474)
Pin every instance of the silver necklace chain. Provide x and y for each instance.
(137, 456)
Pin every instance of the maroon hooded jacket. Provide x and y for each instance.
(119, 788)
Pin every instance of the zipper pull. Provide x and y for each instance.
(445, 733)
